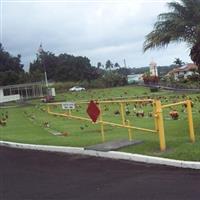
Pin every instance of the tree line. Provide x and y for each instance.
(59, 68)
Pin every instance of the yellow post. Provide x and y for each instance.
(69, 112)
(161, 132)
(102, 126)
(48, 109)
(129, 132)
(155, 118)
(122, 113)
(190, 121)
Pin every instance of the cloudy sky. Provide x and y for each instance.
(98, 29)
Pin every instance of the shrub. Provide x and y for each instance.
(112, 79)
(150, 79)
(64, 86)
(154, 89)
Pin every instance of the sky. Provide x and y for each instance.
(97, 29)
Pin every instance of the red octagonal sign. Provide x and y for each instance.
(93, 111)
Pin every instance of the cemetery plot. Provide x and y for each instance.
(32, 124)
(94, 110)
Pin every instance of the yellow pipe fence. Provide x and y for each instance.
(157, 114)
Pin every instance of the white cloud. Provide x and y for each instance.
(100, 30)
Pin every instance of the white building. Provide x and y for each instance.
(132, 78)
(183, 72)
(8, 98)
(21, 91)
(153, 69)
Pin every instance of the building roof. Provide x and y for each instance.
(21, 85)
(185, 68)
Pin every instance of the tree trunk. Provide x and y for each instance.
(195, 55)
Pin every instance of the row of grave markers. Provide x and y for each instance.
(94, 111)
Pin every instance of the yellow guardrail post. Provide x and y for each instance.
(161, 132)
(122, 113)
(190, 121)
(69, 112)
(155, 118)
(48, 109)
(129, 132)
(102, 125)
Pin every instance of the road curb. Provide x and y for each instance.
(109, 154)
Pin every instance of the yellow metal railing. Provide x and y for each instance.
(187, 103)
(157, 114)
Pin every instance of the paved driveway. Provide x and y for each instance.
(27, 175)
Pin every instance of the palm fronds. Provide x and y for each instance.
(181, 24)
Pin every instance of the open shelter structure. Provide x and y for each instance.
(21, 91)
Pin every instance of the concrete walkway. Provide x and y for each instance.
(113, 145)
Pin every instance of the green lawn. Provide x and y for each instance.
(26, 124)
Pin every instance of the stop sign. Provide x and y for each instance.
(93, 111)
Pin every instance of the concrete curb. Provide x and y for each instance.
(110, 154)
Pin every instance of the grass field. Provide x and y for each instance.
(26, 123)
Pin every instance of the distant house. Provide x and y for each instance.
(135, 78)
(183, 72)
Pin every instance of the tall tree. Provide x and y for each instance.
(63, 67)
(178, 62)
(109, 65)
(45, 61)
(9, 62)
(181, 24)
(99, 65)
(116, 65)
(11, 69)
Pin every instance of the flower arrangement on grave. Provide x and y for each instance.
(65, 133)
(46, 124)
(174, 114)
(140, 113)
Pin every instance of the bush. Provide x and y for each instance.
(154, 89)
(112, 79)
(150, 79)
(98, 83)
(63, 86)
(194, 77)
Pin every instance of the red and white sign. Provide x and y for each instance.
(93, 111)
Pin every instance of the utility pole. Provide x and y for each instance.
(124, 63)
(41, 51)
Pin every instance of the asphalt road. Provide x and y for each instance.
(27, 175)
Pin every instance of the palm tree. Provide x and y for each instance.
(178, 62)
(116, 65)
(181, 24)
(109, 65)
